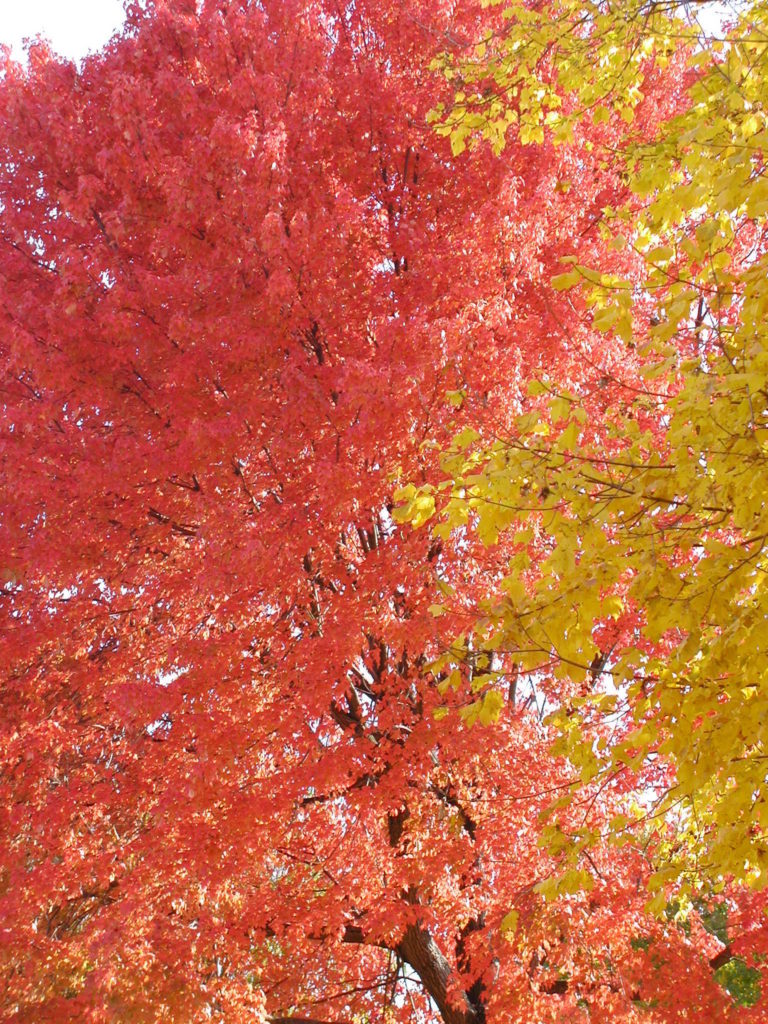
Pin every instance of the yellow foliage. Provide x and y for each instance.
(669, 520)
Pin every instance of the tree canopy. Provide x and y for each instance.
(267, 754)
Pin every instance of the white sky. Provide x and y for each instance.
(73, 27)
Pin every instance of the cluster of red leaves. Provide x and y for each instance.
(239, 276)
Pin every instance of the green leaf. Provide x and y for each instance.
(714, 919)
(742, 983)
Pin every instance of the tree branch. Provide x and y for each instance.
(419, 949)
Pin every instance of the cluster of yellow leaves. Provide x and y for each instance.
(552, 65)
(664, 519)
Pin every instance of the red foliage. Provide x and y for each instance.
(239, 276)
